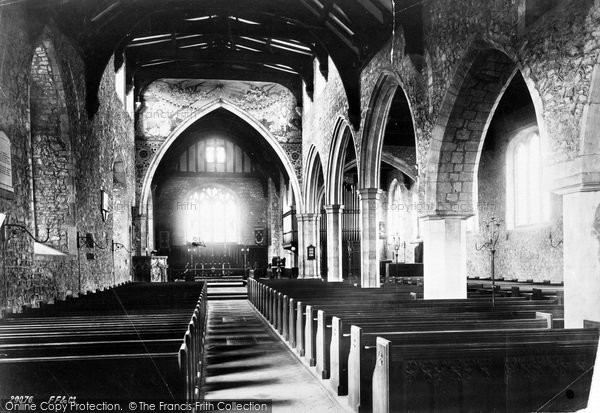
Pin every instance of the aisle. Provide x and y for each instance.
(246, 360)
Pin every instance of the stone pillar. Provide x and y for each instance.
(150, 229)
(370, 199)
(581, 249)
(141, 225)
(307, 232)
(334, 242)
(301, 248)
(444, 257)
(318, 246)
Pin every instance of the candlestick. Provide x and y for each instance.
(492, 230)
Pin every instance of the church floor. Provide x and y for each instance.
(246, 360)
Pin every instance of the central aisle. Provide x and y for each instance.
(246, 360)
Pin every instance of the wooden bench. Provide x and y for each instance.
(333, 353)
(156, 330)
(307, 320)
(361, 355)
(530, 373)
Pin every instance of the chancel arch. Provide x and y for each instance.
(288, 168)
(212, 197)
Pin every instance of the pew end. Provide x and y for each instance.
(381, 377)
(544, 316)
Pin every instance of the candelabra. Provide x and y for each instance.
(491, 230)
(397, 245)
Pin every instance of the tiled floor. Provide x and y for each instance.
(246, 360)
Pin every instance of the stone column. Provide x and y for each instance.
(307, 231)
(141, 226)
(581, 249)
(301, 249)
(444, 257)
(334, 242)
(370, 216)
(318, 245)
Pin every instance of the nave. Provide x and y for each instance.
(324, 149)
(302, 346)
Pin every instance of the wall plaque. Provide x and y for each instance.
(5, 163)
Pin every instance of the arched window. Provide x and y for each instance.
(527, 198)
(215, 216)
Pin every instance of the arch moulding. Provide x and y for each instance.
(205, 110)
(334, 177)
(371, 147)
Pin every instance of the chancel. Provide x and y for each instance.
(315, 205)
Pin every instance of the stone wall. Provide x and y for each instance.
(14, 121)
(522, 253)
(110, 137)
(52, 157)
(321, 114)
(73, 156)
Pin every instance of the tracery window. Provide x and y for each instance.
(214, 216)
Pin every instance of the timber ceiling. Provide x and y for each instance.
(252, 40)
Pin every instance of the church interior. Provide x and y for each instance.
(322, 205)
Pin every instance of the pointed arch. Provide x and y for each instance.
(373, 134)
(314, 176)
(334, 178)
(51, 147)
(205, 110)
(464, 117)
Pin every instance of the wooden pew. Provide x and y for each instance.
(390, 309)
(151, 324)
(360, 355)
(332, 355)
(529, 373)
(142, 376)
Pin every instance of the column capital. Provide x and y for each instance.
(307, 216)
(370, 193)
(578, 187)
(333, 209)
(446, 216)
